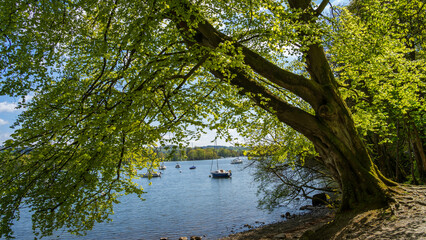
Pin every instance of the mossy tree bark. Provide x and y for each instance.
(331, 128)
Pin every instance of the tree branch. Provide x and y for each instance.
(206, 35)
(293, 116)
(321, 7)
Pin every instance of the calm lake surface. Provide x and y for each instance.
(182, 203)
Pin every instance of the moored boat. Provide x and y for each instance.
(151, 174)
(193, 167)
(177, 165)
(237, 161)
(220, 173)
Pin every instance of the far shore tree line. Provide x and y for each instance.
(198, 153)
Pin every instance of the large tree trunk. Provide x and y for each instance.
(345, 155)
(339, 144)
(331, 129)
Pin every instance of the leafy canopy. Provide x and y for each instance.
(379, 56)
(110, 80)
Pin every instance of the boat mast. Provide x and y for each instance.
(215, 151)
(211, 166)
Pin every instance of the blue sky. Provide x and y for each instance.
(9, 113)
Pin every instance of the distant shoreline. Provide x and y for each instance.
(186, 160)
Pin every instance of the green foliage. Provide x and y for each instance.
(104, 94)
(378, 53)
(111, 80)
(376, 74)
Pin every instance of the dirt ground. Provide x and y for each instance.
(289, 229)
(404, 219)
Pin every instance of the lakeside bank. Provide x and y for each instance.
(291, 228)
(403, 219)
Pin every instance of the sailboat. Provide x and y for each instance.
(162, 167)
(219, 173)
(180, 157)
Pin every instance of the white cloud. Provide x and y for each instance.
(8, 107)
(29, 97)
(3, 122)
(4, 137)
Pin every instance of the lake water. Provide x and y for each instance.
(182, 203)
